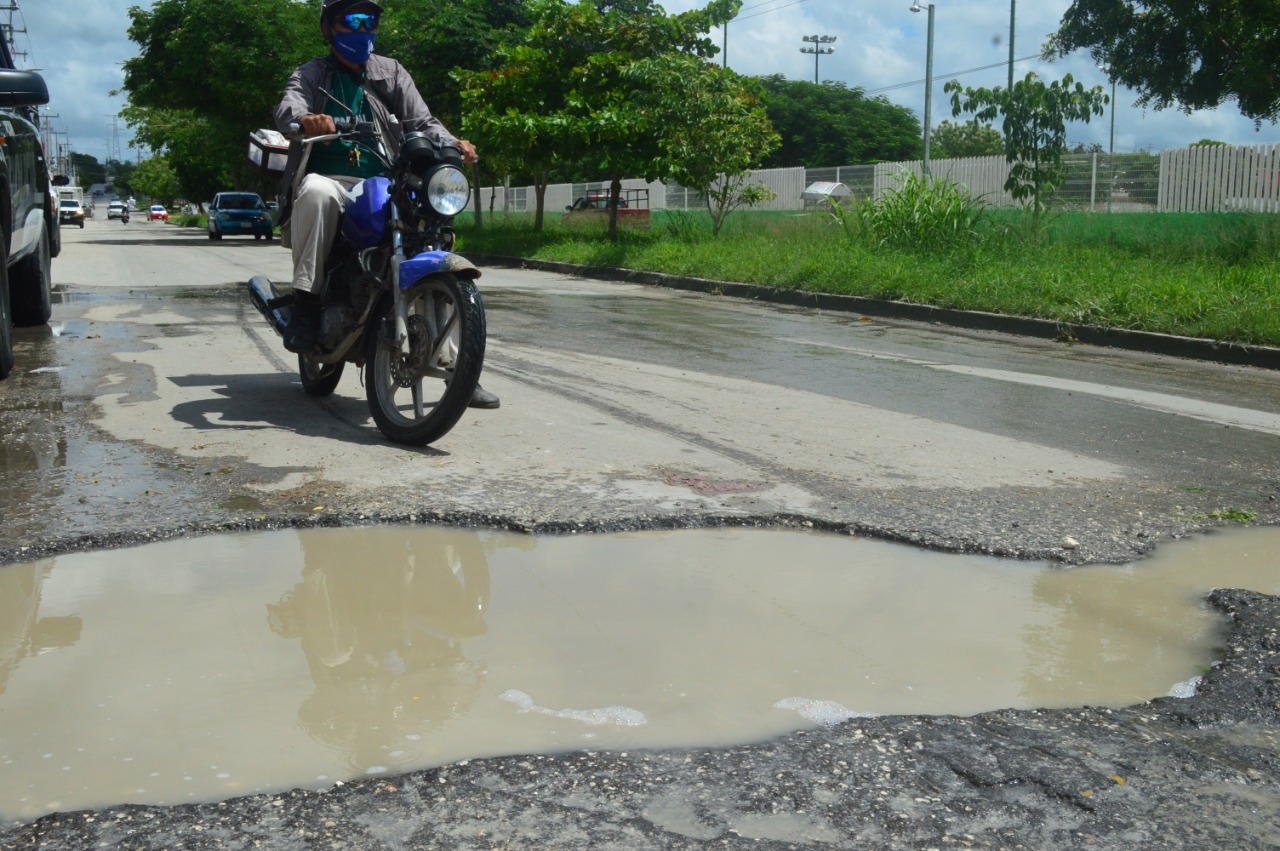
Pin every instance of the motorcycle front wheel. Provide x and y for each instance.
(418, 392)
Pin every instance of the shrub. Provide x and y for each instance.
(920, 215)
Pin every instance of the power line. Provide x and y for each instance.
(895, 86)
(767, 11)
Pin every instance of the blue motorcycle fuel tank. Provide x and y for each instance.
(365, 220)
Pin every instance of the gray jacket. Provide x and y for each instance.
(393, 94)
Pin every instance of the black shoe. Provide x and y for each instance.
(481, 398)
(301, 334)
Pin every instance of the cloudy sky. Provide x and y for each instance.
(879, 45)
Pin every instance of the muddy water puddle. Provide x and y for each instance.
(212, 667)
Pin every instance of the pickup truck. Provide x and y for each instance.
(28, 207)
(633, 207)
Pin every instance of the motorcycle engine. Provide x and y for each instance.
(337, 320)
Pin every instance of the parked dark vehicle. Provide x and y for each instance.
(237, 213)
(28, 202)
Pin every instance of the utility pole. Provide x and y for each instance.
(1013, 19)
(10, 31)
(817, 50)
(50, 154)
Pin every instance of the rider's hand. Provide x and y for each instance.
(469, 154)
(317, 125)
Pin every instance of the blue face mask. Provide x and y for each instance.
(355, 47)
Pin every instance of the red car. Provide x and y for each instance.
(157, 212)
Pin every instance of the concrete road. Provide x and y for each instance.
(159, 404)
(625, 404)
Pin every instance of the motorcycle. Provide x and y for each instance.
(124, 217)
(397, 301)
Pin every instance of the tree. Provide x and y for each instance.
(88, 170)
(1035, 131)
(822, 124)
(712, 129)
(950, 140)
(563, 94)
(1196, 55)
(155, 179)
(434, 39)
(209, 72)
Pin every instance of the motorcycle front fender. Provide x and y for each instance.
(432, 262)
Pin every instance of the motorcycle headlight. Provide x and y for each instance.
(448, 190)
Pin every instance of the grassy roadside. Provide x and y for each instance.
(1214, 276)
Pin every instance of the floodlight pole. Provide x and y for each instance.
(817, 50)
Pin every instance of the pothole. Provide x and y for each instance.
(206, 668)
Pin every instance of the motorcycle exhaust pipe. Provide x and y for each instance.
(273, 306)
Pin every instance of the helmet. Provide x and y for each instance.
(329, 7)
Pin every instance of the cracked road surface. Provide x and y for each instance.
(159, 405)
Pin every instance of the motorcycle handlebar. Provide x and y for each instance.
(345, 127)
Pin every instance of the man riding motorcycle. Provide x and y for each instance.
(350, 81)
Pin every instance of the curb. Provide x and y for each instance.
(1193, 348)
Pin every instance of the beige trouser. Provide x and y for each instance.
(313, 225)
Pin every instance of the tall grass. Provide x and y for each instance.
(1202, 275)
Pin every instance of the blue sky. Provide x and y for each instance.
(880, 45)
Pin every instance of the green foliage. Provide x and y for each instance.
(207, 73)
(823, 124)
(435, 39)
(711, 128)
(951, 140)
(154, 178)
(562, 92)
(921, 215)
(1209, 275)
(89, 170)
(1035, 117)
(1193, 55)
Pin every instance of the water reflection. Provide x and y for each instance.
(23, 633)
(383, 631)
(219, 666)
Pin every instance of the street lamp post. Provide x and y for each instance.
(928, 82)
(817, 50)
(1013, 19)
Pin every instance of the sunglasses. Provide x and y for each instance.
(355, 21)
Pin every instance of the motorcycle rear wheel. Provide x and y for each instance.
(415, 399)
(319, 379)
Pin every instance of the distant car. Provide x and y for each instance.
(235, 213)
(70, 212)
(157, 211)
(114, 209)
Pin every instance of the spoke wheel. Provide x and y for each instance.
(417, 393)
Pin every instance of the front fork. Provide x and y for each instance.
(401, 340)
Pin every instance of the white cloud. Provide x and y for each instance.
(882, 45)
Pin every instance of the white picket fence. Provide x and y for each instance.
(1198, 179)
(1217, 177)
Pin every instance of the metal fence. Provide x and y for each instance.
(1198, 179)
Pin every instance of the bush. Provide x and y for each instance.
(920, 215)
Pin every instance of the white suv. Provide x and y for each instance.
(114, 209)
